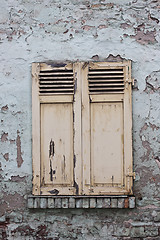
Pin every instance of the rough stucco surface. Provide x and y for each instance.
(35, 31)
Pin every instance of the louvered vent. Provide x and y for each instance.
(58, 81)
(102, 81)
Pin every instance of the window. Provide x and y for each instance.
(82, 128)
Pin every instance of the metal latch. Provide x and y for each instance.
(131, 174)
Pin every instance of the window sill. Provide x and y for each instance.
(49, 202)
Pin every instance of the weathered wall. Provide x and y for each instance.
(33, 31)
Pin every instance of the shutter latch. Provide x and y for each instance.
(131, 174)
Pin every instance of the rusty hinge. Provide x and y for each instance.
(131, 174)
(132, 81)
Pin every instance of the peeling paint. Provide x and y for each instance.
(66, 31)
(17, 179)
(112, 58)
(147, 37)
(19, 153)
(54, 192)
(76, 187)
(4, 108)
(6, 156)
(4, 137)
(143, 36)
(153, 82)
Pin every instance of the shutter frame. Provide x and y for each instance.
(35, 129)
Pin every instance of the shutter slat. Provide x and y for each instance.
(105, 80)
(107, 92)
(56, 90)
(51, 73)
(105, 76)
(106, 84)
(105, 88)
(56, 86)
(56, 82)
(56, 77)
(104, 72)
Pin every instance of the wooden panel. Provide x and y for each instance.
(106, 143)
(56, 99)
(106, 123)
(128, 167)
(55, 65)
(77, 124)
(85, 130)
(109, 65)
(107, 98)
(35, 130)
(57, 126)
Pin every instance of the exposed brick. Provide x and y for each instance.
(126, 202)
(151, 231)
(131, 202)
(121, 202)
(85, 202)
(72, 202)
(58, 203)
(99, 203)
(36, 203)
(43, 202)
(92, 202)
(138, 232)
(30, 202)
(114, 203)
(51, 202)
(106, 202)
(64, 202)
(79, 203)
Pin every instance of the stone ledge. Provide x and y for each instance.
(43, 202)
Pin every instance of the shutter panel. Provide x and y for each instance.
(107, 143)
(53, 115)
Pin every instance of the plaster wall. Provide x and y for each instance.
(38, 31)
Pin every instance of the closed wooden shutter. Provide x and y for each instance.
(82, 123)
(107, 129)
(54, 137)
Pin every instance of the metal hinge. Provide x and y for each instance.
(131, 174)
(130, 80)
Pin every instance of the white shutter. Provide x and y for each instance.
(53, 86)
(107, 152)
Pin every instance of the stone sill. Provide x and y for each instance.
(49, 202)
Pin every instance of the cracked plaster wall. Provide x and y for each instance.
(35, 31)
